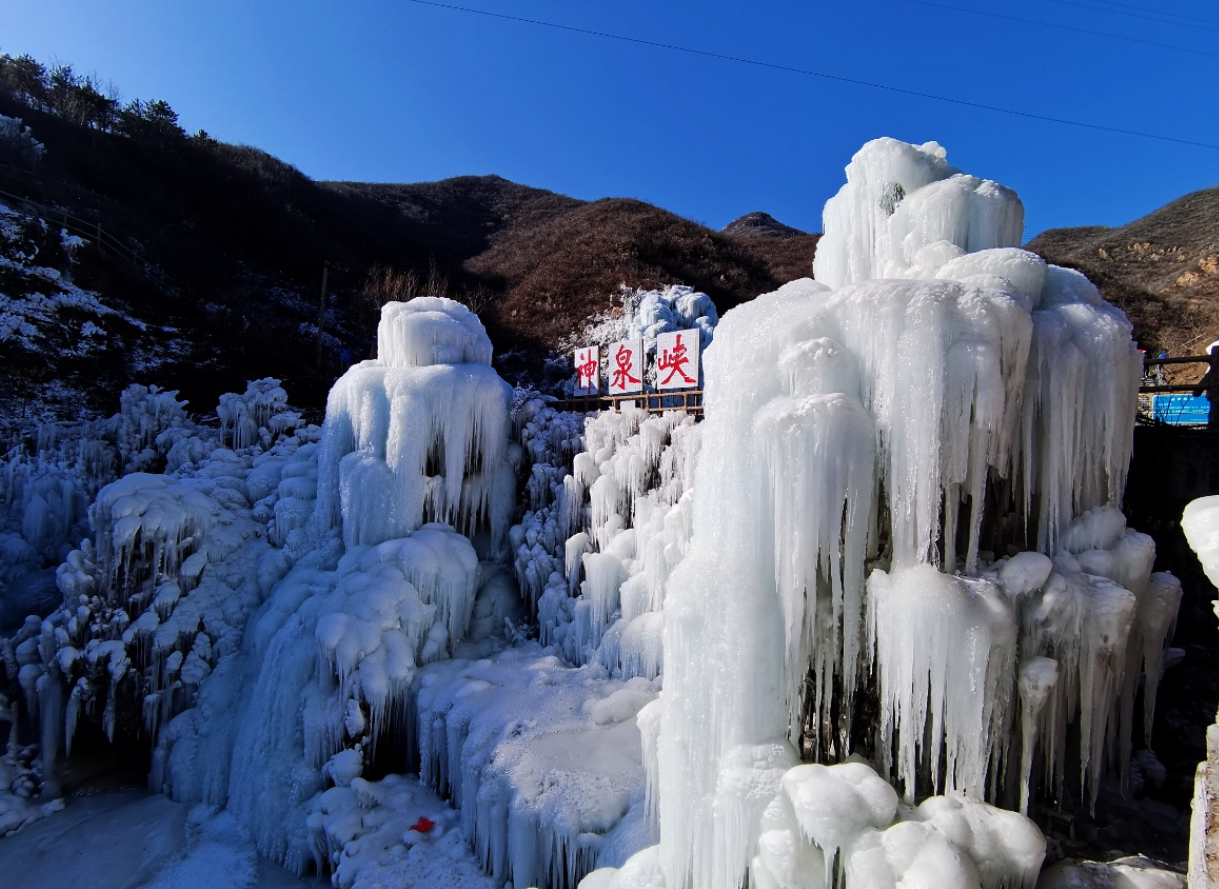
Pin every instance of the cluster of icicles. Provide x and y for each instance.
(595, 550)
(912, 494)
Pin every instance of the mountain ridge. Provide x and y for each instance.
(1161, 269)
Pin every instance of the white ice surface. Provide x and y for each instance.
(133, 840)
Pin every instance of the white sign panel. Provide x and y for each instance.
(626, 367)
(677, 360)
(588, 371)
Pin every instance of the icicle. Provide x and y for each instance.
(1038, 676)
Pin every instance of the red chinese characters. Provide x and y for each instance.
(588, 371)
(677, 360)
(626, 367)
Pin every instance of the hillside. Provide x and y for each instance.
(1162, 270)
(788, 252)
(231, 244)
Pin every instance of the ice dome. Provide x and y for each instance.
(901, 199)
(430, 330)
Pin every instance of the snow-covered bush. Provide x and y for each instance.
(150, 421)
(17, 143)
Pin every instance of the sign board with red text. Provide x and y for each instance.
(588, 371)
(677, 360)
(625, 367)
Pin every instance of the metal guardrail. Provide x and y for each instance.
(93, 230)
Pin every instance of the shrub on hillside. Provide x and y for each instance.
(17, 144)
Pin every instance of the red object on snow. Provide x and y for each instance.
(423, 825)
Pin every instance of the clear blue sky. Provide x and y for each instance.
(403, 92)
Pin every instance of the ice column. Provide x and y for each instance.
(936, 394)
(419, 434)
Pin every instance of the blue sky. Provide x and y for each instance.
(404, 92)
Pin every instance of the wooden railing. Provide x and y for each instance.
(90, 229)
(689, 400)
(1158, 389)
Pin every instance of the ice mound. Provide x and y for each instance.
(1132, 872)
(431, 330)
(402, 605)
(1200, 522)
(843, 825)
(420, 434)
(257, 416)
(542, 760)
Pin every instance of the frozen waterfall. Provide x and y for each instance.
(899, 448)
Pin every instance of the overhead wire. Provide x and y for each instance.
(1012, 18)
(807, 72)
(1147, 17)
(1176, 15)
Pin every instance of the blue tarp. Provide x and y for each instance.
(1181, 410)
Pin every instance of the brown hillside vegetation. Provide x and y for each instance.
(554, 273)
(549, 262)
(1162, 270)
(788, 252)
(455, 219)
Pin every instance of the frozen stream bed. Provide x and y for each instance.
(134, 838)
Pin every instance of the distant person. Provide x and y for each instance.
(1210, 385)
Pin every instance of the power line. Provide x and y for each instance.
(1175, 15)
(774, 66)
(1153, 17)
(1012, 18)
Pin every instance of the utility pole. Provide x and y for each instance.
(321, 314)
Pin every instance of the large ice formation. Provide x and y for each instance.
(420, 434)
(912, 495)
(413, 443)
(1200, 522)
(886, 586)
(157, 593)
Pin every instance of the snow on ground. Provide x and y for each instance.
(543, 760)
(40, 308)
